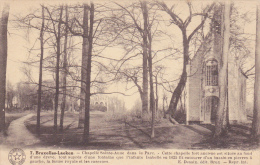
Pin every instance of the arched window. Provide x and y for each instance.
(211, 73)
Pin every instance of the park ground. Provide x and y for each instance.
(114, 131)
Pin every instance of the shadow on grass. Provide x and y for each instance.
(235, 139)
(72, 138)
(132, 139)
(195, 130)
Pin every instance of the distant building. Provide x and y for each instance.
(99, 102)
(203, 80)
(15, 102)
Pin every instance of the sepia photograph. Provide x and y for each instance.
(135, 82)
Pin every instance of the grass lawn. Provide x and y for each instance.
(116, 134)
(238, 137)
(135, 134)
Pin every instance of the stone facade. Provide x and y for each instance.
(202, 83)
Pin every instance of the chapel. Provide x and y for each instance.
(203, 79)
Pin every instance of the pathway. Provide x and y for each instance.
(18, 135)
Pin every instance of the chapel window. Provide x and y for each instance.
(211, 73)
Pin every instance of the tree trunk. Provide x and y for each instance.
(88, 82)
(145, 68)
(58, 38)
(256, 113)
(163, 99)
(84, 63)
(148, 49)
(181, 84)
(183, 27)
(221, 123)
(227, 107)
(3, 62)
(152, 108)
(40, 77)
(156, 91)
(64, 74)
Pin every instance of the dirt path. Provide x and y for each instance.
(18, 135)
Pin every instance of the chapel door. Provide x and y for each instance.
(211, 109)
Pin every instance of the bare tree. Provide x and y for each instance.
(57, 33)
(138, 27)
(148, 44)
(84, 62)
(256, 112)
(91, 30)
(87, 45)
(221, 115)
(157, 71)
(183, 25)
(88, 78)
(64, 72)
(3, 61)
(39, 105)
(144, 43)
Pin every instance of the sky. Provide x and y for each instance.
(19, 43)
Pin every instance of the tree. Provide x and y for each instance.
(148, 43)
(64, 73)
(221, 115)
(138, 26)
(85, 80)
(93, 32)
(57, 33)
(256, 112)
(84, 62)
(144, 44)
(39, 105)
(26, 95)
(88, 78)
(144, 34)
(3, 61)
(10, 94)
(158, 70)
(183, 25)
(88, 34)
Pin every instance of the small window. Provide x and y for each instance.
(211, 73)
